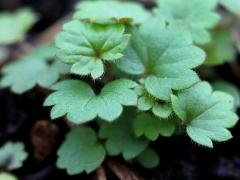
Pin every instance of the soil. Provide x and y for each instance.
(24, 119)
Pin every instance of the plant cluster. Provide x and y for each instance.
(135, 78)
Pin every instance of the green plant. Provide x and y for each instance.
(15, 25)
(12, 155)
(143, 82)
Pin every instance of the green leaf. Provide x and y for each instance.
(149, 159)
(165, 54)
(147, 102)
(14, 26)
(220, 49)
(38, 68)
(80, 152)
(77, 99)
(197, 15)
(152, 126)
(121, 139)
(230, 89)
(7, 176)
(206, 114)
(106, 12)
(86, 46)
(232, 5)
(12, 155)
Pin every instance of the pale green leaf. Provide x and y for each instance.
(149, 159)
(80, 152)
(220, 49)
(147, 102)
(197, 15)
(12, 155)
(14, 26)
(120, 138)
(152, 126)
(206, 114)
(7, 176)
(166, 54)
(86, 46)
(38, 68)
(111, 12)
(77, 100)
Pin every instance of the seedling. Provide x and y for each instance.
(143, 80)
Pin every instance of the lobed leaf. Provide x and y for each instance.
(80, 152)
(14, 26)
(105, 12)
(38, 68)
(151, 126)
(165, 55)
(77, 100)
(12, 155)
(206, 114)
(86, 46)
(120, 138)
(197, 15)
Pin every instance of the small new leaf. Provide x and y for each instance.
(207, 114)
(80, 152)
(197, 15)
(147, 102)
(165, 54)
(121, 138)
(14, 26)
(38, 68)
(152, 126)
(12, 155)
(148, 159)
(106, 12)
(77, 99)
(86, 46)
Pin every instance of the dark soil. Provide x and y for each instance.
(20, 117)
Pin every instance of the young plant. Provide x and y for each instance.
(142, 81)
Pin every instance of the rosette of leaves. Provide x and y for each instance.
(14, 26)
(158, 56)
(87, 46)
(37, 68)
(164, 55)
(108, 11)
(197, 15)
